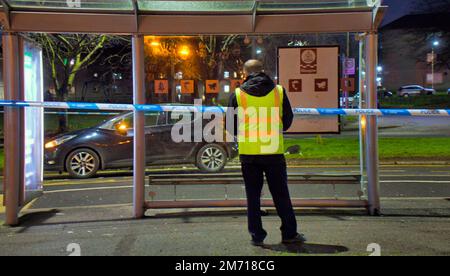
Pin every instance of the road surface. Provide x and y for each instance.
(396, 182)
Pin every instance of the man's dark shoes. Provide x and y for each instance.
(299, 239)
(258, 243)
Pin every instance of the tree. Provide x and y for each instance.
(197, 57)
(69, 54)
(215, 51)
(439, 30)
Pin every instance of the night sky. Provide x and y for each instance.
(397, 9)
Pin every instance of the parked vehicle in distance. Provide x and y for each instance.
(415, 90)
(109, 145)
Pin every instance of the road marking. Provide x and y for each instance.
(415, 181)
(112, 206)
(109, 206)
(130, 186)
(129, 179)
(29, 205)
(2, 208)
(90, 182)
(357, 166)
(415, 175)
(89, 189)
(414, 198)
(106, 173)
(417, 166)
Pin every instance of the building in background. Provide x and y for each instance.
(406, 45)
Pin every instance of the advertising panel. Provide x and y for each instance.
(33, 90)
(311, 78)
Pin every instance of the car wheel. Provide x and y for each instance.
(82, 163)
(211, 158)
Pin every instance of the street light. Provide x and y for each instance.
(433, 58)
(184, 52)
(155, 44)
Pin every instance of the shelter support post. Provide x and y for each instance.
(371, 130)
(13, 131)
(362, 118)
(139, 128)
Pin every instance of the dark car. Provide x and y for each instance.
(383, 93)
(110, 145)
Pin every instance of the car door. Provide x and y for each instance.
(154, 137)
(176, 150)
(409, 90)
(116, 142)
(122, 145)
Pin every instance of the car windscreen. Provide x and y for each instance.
(151, 119)
(109, 125)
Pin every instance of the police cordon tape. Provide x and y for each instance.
(78, 113)
(218, 109)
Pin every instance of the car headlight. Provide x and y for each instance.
(59, 141)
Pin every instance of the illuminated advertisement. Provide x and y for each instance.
(33, 120)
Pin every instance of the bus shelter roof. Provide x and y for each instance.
(190, 17)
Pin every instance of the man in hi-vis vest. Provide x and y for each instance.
(261, 112)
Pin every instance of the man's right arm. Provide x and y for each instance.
(231, 116)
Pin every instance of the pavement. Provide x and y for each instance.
(408, 227)
(95, 215)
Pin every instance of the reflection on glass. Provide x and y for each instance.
(313, 4)
(193, 6)
(247, 6)
(233, 6)
(74, 4)
(180, 69)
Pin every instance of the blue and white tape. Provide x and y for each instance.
(215, 109)
(372, 112)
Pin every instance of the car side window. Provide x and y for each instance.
(162, 119)
(177, 116)
(151, 119)
(128, 121)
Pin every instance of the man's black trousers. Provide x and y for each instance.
(276, 175)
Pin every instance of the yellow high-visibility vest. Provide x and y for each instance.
(260, 123)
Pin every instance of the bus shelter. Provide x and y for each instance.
(138, 18)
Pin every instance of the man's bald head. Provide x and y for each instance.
(253, 66)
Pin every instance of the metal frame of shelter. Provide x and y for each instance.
(145, 17)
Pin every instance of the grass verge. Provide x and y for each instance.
(338, 149)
